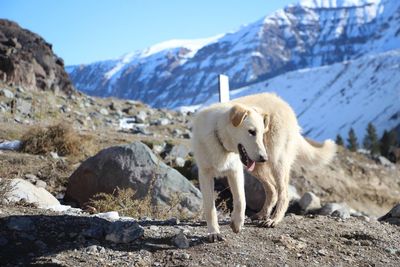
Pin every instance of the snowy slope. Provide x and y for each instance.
(331, 99)
(309, 34)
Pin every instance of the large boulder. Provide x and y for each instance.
(131, 166)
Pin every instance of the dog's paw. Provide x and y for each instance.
(259, 217)
(236, 228)
(215, 237)
(268, 223)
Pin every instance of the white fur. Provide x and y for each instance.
(280, 140)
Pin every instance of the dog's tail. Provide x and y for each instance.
(315, 154)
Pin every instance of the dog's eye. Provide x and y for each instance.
(252, 132)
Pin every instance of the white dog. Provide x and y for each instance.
(260, 131)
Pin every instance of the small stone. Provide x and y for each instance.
(309, 201)
(164, 122)
(104, 111)
(41, 184)
(342, 213)
(141, 117)
(101, 249)
(124, 232)
(185, 256)
(180, 241)
(322, 252)
(154, 228)
(91, 249)
(111, 215)
(173, 221)
(31, 177)
(180, 162)
(54, 155)
(392, 251)
(6, 93)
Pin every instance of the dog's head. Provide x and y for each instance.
(248, 127)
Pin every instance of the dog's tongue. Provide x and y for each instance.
(250, 166)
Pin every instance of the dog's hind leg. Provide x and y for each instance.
(281, 173)
(210, 212)
(236, 184)
(263, 174)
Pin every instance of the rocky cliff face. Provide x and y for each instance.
(28, 60)
(305, 35)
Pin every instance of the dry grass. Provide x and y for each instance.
(58, 138)
(124, 201)
(5, 188)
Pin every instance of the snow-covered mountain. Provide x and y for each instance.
(304, 37)
(329, 100)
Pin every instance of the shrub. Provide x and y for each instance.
(58, 138)
(124, 201)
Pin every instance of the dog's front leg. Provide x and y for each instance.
(236, 183)
(210, 212)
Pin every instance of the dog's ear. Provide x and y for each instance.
(266, 122)
(237, 115)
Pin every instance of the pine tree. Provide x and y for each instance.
(339, 140)
(371, 141)
(352, 141)
(388, 140)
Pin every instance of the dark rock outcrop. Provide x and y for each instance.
(27, 60)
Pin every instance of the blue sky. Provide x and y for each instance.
(84, 31)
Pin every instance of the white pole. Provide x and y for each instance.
(223, 88)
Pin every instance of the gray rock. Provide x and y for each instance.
(22, 189)
(132, 166)
(255, 195)
(393, 216)
(180, 241)
(384, 161)
(180, 150)
(31, 177)
(342, 213)
(163, 122)
(10, 145)
(180, 162)
(6, 93)
(309, 201)
(54, 155)
(24, 107)
(395, 211)
(41, 184)
(329, 208)
(104, 111)
(92, 249)
(20, 223)
(124, 232)
(141, 117)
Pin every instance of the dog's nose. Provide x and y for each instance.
(262, 158)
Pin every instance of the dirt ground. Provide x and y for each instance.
(57, 240)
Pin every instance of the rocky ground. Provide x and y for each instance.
(39, 237)
(369, 187)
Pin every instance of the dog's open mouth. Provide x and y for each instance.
(245, 159)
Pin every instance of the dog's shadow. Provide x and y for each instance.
(24, 238)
